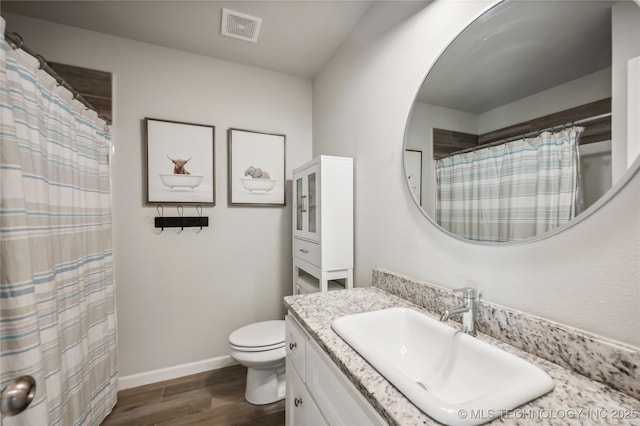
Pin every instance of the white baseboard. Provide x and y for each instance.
(141, 379)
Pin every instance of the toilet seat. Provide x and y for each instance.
(256, 348)
(260, 336)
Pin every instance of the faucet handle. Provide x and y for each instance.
(468, 292)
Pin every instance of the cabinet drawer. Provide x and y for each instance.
(307, 251)
(295, 345)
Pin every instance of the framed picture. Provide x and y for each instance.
(180, 163)
(256, 167)
(413, 160)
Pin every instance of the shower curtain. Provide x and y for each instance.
(511, 191)
(57, 301)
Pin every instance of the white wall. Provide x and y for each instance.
(179, 296)
(625, 17)
(584, 90)
(587, 276)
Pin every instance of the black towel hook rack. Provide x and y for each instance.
(180, 221)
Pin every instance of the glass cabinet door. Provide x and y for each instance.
(306, 199)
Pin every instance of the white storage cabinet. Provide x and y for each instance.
(323, 225)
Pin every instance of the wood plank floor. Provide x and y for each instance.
(210, 398)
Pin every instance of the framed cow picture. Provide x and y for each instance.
(180, 163)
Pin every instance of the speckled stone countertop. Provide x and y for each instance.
(575, 400)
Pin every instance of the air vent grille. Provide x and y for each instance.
(241, 26)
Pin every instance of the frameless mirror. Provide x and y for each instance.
(527, 119)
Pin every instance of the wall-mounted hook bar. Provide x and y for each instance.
(181, 222)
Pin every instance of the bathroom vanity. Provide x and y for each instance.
(327, 379)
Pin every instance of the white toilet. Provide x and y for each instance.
(260, 348)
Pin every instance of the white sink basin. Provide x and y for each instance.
(454, 378)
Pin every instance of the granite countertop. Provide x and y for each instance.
(574, 400)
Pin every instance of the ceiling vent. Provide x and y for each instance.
(240, 25)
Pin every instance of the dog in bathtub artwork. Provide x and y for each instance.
(258, 180)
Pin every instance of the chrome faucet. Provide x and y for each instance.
(468, 311)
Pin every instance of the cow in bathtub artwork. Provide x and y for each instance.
(181, 177)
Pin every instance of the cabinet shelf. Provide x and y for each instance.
(307, 283)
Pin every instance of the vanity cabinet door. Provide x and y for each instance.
(300, 409)
(336, 397)
(295, 346)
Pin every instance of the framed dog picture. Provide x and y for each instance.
(256, 168)
(180, 163)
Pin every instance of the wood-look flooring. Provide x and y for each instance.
(210, 398)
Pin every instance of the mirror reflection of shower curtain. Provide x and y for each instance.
(57, 304)
(510, 191)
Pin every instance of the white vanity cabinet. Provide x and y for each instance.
(318, 393)
(323, 225)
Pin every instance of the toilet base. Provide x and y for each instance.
(265, 386)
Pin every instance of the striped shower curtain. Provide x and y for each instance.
(511, 191)
(57, 301)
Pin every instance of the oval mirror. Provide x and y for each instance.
(528, 120)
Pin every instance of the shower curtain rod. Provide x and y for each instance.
(18, 43)
(526, 135)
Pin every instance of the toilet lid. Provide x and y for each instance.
(259, 334)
